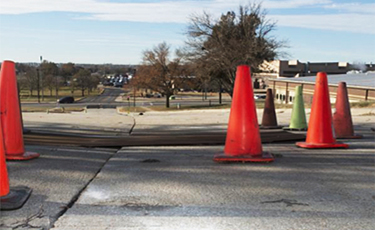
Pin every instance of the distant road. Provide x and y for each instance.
(108, 96)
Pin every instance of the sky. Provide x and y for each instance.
(118, 31)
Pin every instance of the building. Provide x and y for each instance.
(295, 68)
(361, 87)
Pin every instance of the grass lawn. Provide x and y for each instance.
(51, 109)
(63, 91)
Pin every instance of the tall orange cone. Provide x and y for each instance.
(320, 133)
(269, 120)
(342, 117)
(13, 198)
(4, 181)
(11, 115)
(243, 143)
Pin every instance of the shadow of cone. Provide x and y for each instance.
(342, 117)
(320, 133)
(243, 143)
(11, 115)
(13, 198)
(298, 119)
(269, 120)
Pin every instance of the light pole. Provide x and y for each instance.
(38, 85)
(41, 79)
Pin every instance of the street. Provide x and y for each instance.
(110, 99)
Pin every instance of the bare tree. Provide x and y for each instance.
(81, 79)
(159, 73)
(27, 77)
(235, 39)
(93, 82)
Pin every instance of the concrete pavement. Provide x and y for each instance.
(110, 122)
(182, 188)
(57, 178)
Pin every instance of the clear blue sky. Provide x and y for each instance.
(117, 31)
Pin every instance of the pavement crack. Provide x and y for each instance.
(289, 203)
(65, 208)
(26, 223)
(134, 123)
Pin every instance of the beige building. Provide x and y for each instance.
(295, 68)
(361, 87)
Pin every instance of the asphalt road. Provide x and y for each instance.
(108, 97)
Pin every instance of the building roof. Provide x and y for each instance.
(363, 80)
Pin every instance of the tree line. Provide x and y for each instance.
(52, 77)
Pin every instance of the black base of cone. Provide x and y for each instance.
(26, 131)
(16, 198)
(270, 127)
(294, 129)
(224, 158)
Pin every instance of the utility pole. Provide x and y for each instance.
(41, 79)
(38, 85)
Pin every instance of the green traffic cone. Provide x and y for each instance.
(298, 120)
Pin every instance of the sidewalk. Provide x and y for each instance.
(187, 121)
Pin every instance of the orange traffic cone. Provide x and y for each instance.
(269, 120)
(320, 133)
(4, 181)
(342, 117)
(16, 197)
(11, 115)
(243, 143)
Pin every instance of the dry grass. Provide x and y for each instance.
(63, 91)
(363, 104)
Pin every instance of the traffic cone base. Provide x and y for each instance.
(26, 131)
(23, 157)
(16, 198)
(355, 136)
(294, 129)
(224, 158)
(271, 127)
(335, 145)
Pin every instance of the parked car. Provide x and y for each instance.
(118, 84)
(260, 96)
(66, 100)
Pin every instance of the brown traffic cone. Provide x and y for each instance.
(13, 198)
(269, 120)
(11, 115)
(342, 117)
(320, 133)
(243, 143)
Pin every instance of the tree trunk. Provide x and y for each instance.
(220, 94)
(167, 100)
(31, 92)
(83, 92)
(50, 92)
